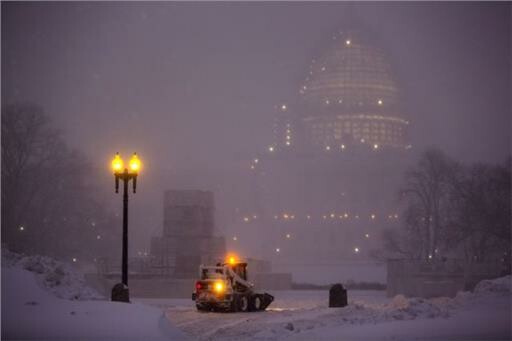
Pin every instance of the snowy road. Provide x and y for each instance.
(288, 307)
(370, 315)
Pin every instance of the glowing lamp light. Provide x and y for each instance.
(218, 287)
(117, 164)
(135, 163)
(231, 260)
(347, 42)
(356, 250)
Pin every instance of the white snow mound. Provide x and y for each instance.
(499, 285)
(56, 277)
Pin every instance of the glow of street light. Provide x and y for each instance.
(22, 228)
(135, 163)
(270, 149)
(246, 219)
(117, 163)
(278, 250)
(367, 235)
(347, 42)
(288, 236)
(235, 238)
(356, 250)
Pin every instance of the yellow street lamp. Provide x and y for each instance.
(135, 163)
(120, 291)
(117, 164)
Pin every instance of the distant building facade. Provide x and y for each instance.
(188, 234)
(331, 174)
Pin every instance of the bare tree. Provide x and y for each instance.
(426, 190)
(48, 207)
(30, 147)
(480, 211)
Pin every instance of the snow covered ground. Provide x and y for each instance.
(482, 315)
(45, 299)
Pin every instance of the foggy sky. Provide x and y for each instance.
(193, 85)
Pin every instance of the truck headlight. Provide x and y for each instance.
(218, 287)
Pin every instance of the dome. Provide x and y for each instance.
(351, 96)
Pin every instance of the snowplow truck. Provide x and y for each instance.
(224, 287)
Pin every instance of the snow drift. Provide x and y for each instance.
(45, 299)
(56, 277)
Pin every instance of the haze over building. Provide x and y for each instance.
(326, 186)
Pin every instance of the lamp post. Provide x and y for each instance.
(120, 291)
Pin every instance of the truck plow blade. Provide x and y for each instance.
(266, 300)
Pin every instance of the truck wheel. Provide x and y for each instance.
(243, 304)
(233, 307)
(201, 307)
(256, 303)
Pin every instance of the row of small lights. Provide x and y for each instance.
(356, 250)
(327, 101)
(328, 148)
(22, 228)
(332, 215)
(287, 236)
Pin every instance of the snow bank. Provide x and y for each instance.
(56, 277)
(400, 308)
(31, 310)
(498, 285)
